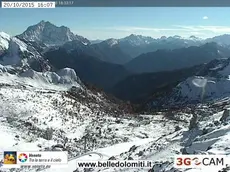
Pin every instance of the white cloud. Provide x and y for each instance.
(214, 29)
(197, 33)
(134, 28)
(182, 30)
(205, 17)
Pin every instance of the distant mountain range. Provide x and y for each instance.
(119, 51)
(166, 60)
(135, 45)
(132, 68)
(107, 51)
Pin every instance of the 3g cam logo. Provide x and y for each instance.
(187, 161)
(199, 161)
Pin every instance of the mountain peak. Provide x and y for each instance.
(195, 38)
(137, 39)
(177, 36)
(111, 42)
(163, 37)
(133, 35)
(49, 34)
(137, 36)
(45, 23)
(42, 22)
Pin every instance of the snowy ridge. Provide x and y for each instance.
(212, 84)
(68, 75)
(22, 45)
(63, 79)
(212, 89)
(8, 69)
(195, 38)
(4, 40)
(111, 42)
(191, 38)
(137, 40)
(12, 57)
(18, 53)
(189, 41)
(3, 68)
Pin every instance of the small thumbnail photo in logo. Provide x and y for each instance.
(10, 157)
(1, 159)
(22, 157)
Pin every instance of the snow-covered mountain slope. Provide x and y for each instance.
(211, 83)
(198, 89)
(30, 109)
(50, 35)
(4, 41)
(13, 47)
(111, 42)
(46, 116)
(13, 52)
(66, 77)
(9, 69)
(61, 80)
(26, 101)
(167, 134)
(17, 53)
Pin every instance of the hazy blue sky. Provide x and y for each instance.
(102, 23)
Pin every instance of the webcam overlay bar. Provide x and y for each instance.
(139, 3)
